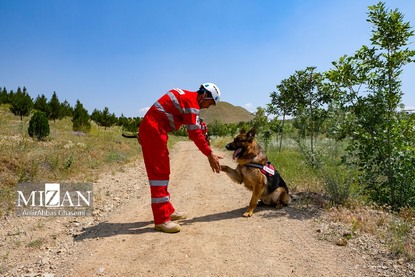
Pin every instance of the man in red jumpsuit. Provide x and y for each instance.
(203, 126)
(204, 129)
(176, 108)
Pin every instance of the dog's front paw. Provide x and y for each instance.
(247, 214)
(224, 168)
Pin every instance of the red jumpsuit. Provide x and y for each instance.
(172, 110)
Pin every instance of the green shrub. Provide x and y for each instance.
(39, 126)
(337, 183)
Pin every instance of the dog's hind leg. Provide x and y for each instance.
(281, 198)
(276, 197)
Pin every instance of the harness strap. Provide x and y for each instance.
(260, 166)
(267, 169)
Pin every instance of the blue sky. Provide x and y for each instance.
(125, 54)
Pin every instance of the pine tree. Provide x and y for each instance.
(80, 120)
(55, 108)
(41, 104)
(96, 116)
(39, 125)
(22, 103)
(4, 96)
(107, 119)
(66, 109)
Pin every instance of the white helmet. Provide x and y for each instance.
(213, 89)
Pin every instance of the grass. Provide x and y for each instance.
(65, 156)
(396, 230)
(37, 243)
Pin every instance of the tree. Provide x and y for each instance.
(260, 122)
(302, 97)
(216, 128)
(122, 120)
(381, 144)
(80, 120)
(104, 118)
(310, 99)
(66, 109)
(131, 124)
(22, 103)
(4, 96)
(41, 104)
(260, 119)
(96, 116)
(107, 119)
(39, 125)
(282, 103)
(55, 108)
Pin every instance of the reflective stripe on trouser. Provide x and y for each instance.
(156, 159)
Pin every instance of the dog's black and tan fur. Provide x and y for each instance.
(246, 150)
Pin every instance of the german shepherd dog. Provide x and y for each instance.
(255, 171)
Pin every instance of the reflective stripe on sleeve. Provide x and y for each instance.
(191, 110)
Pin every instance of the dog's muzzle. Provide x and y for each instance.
(237, 150)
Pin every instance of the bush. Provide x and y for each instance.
(39, 126)
(337, 183)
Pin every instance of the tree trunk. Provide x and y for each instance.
(282, 131)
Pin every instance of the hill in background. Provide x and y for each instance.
(225, 112)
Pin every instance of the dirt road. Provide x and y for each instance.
(215, 240)
(119, 240)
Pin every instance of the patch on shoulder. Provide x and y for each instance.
(180, 91)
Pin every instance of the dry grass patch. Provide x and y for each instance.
(65, 156)
(395, 230)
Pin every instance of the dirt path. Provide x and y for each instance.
(215, 241)
(119, 240)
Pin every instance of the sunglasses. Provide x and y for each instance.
(210, 98)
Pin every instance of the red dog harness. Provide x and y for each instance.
(274, 178)
(267, 169)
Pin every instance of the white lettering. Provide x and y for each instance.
(67, 197)
(21, 196)
(52, 194)
(269, 170)
(87, 202)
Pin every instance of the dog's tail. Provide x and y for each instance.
(129, 135)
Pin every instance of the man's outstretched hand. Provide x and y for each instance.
(214, 162)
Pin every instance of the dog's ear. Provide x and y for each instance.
(251, 133)
(242, 131)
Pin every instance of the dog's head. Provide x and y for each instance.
(241, 143)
